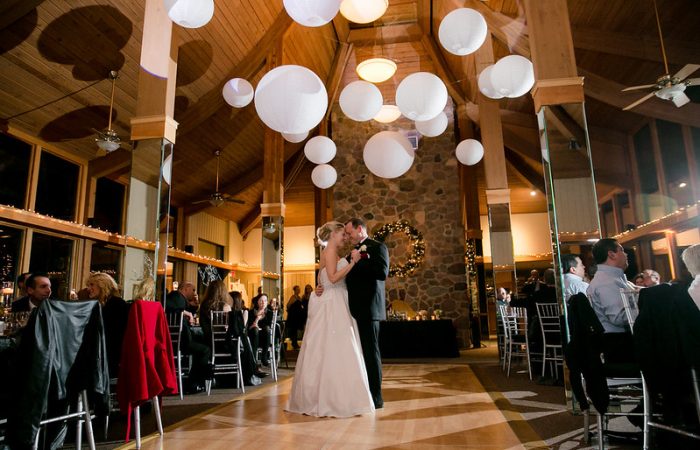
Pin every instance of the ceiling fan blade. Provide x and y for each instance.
(200, 201)
(680, 100)
(641, 100)
(235, 200)
(634, 88)
(692, 81)
(686, 71)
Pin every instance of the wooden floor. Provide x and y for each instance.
(426, 406)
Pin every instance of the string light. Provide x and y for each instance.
(415, 259)
(655, 221)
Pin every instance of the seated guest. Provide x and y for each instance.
(146, 290)
(21, 289)
(258, 325)
(236, 329)
(38, 288)
(215, 299)
(115, 314)
(193, 343)
(691, 259)
(650, 278)
(638, 280)
(604, 293)
(574, 271)
(502, 297)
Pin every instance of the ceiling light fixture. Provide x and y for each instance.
(682, 184)
(388, 114)
(363, 11)
(533, 193)
(376, 70)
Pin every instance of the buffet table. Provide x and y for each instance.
(418, 339)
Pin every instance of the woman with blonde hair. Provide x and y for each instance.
(330, 377)
(115, 312)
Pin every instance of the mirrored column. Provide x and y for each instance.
(272, 263)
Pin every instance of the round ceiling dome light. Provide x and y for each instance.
(363, 11)
(376, 70)
(387, 114)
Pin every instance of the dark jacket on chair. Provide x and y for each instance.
(62, 352)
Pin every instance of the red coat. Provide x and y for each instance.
(147, 367)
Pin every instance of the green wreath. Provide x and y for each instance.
(415, 237)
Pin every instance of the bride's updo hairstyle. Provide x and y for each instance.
(323, 234)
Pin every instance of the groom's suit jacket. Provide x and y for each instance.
(365, 283)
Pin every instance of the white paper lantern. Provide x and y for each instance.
(312, 13)
(388, 154)
(291, 99)
(319, 150)
(433, 127)
(295, 137)
(513, 76)
(469, 152)
(324, 176)
(190, 13)
(421, 96)
(238, 92)
(167, 168)
(485, 85)
(361, 100)
(363, 11)
(462, 31)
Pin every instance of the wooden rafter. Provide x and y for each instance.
(443, 70)
(388, 34)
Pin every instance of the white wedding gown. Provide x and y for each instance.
(330, 378)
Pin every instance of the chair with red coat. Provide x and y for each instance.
(147, 369)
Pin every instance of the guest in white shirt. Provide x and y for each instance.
(691, 259)
(574, 271)
(604, 290)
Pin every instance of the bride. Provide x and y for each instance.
(330, 376)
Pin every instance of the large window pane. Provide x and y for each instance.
(109, 205)
(646, 166)
(57, 188)
(676, 170)
(10, 246)
(106, 259)
(53, 255)
(695, 133)
(14, 170)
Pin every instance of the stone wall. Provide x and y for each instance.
(427, 196)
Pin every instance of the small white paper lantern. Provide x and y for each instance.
(421, 96)
(295, 137)
(291, 99)
(363, 11)
(485, 85)
(469, 152)
(361, 100)
(190, 13)
(320, 150)
(312, 13)
(167, 169)
(433, 127)
(388, 154)
(324, 176)
(513, 76)
(462, 31)
(238, 92)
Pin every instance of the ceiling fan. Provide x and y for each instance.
(667, 87)
(218, 198)
(108, 140)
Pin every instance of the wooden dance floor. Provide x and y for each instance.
(426, 406)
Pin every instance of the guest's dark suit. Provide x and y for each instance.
(21, 305)
(365, 284)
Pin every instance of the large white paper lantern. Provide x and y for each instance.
(320, 150)
(312, 13)
(469, 152)
(167, 169)
(388, 154)
(295, 137)
(291, 99)
(421, 96)
(238, 92)
(513, 76)
(485, 85)
(433, 127)
(462, 31)
(361, 100)
(190, 13)
(324, 176)
(363, 11)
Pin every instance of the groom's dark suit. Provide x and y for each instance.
(365, 284)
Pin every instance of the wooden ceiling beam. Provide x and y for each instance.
(510, 32)
(335, 76)
(645, 47)
(525, 171)
(425, 15)
(388, 34)
(443, 70)
(110, 163)
(341, 26)
(251, 64)
(567, 125)
(609, 92)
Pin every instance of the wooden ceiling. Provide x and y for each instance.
(55, 57)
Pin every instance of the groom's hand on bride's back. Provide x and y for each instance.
(319, 290)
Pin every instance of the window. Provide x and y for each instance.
(15, 156)
(57, 187)
(646, 166)
(675, 163)
(211, 250)
(10, 246)
(106, 259)
(109, 205)
(53, 255)
(695, 133)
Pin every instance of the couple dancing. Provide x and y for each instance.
(339, 372)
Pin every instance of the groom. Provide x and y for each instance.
(365, 284)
